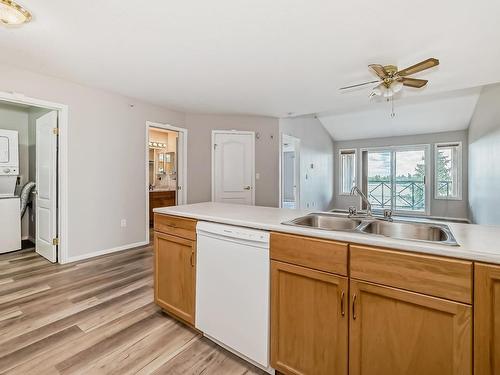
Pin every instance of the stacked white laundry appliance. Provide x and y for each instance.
(10, 214)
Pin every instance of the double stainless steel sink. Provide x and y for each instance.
(403, 230)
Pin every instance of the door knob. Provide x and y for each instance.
(247, 188)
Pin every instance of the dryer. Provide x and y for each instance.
(9, 162)
(10, 224)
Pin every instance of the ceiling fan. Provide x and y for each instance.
(391, 80)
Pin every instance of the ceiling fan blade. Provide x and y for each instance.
(358, 85)
(426, 64)
(379, 70)
(413, 82)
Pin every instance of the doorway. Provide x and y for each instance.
(32, 187)
(166, 167)
(290, 172)
(233, 167)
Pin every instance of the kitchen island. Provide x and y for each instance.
(351, 302)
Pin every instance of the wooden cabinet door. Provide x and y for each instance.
(309, 321)
(175, 275)
(487, 320)
(398, 332)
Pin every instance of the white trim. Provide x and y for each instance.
(428, 177)
(62, 173)
(182, 197)
(242, 132)
(340, 169)
(459, 171)
(297, 142)
(106, 251)
(280, 170)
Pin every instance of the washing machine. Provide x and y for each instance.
(9, 162)
(10, 207)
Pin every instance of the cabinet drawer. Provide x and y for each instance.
(324, 255)
(177, 226)
(431, 275)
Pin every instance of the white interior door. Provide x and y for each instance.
(233, 167)
(46, 186)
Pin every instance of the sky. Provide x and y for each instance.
(379, 163)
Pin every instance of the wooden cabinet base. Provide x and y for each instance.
(487, 320)
(398, 332)
(309, 321)
(160, 199)
(175, 275)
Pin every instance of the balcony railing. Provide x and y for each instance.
(445, 189)
(409, 195)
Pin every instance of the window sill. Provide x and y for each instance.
(448, 199)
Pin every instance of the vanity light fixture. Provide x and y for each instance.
(12, 14)
(157, 144)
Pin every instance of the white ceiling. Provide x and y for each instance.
(414, 115)
(255, 57)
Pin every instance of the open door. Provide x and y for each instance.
(46, 186)
(181, 194)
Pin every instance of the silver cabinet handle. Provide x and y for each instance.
(247, 187)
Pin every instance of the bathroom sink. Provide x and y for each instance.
(437, 233)
(326, 222)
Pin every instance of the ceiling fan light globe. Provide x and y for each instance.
(396, 86)
(378, 90)
(12, 14)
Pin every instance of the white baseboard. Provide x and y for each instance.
(104, 252)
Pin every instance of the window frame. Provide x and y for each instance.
(459, 196)
(428, 175)
(341, 169)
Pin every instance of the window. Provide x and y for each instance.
(347, 161)
(395, 178)
(448, 170)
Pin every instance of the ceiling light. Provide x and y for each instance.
(385, 91)
(12, 13)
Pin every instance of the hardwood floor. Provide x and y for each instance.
(96, 317)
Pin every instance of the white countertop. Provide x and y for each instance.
(476, 242)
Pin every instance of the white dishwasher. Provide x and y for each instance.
(232, 289)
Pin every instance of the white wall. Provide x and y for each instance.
(484, 162)
(316, 160)
(13, 117)
(199, 154)
(106, 140)
(439, 207)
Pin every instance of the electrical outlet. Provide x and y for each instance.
(257, 176)
(123, 223)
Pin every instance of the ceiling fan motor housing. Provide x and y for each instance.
(391, 69)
